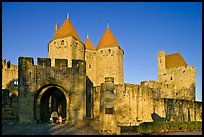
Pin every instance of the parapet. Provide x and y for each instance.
(44, 62)
(77, 63)
(61, 63)
(26, 60)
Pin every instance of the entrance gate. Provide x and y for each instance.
(51, 98)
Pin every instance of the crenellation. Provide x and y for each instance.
(81, 82)
(44, 62)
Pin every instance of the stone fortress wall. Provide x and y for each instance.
(90, 84)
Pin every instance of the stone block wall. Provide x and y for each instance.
(109, 63)
(90, 58)
(67, 48)
(32, 79)
(182, 77)
(10, 77)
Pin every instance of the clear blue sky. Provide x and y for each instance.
(141, 29)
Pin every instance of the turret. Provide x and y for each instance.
(66, 44)
(109, 58)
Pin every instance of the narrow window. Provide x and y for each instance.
(109, 51)
(62, 42)
(171, 78)
(89, 66)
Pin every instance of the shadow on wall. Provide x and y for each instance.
(157, 118)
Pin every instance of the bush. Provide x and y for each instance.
(161, 127)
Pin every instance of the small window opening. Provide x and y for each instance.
(62, 42)
(109, 51)
(15, 82)
(108, 110)
(171, 78)
(89, 66)
(184, 71)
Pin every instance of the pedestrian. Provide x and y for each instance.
(51, 120)
(60, 119)
(54, 116)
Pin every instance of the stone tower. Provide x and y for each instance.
(109, 58)
(66, 44)
(172, 69)
(90, 57)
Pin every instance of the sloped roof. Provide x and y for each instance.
(66, 30)
(174, 60)
(89, 44)
(108, 40)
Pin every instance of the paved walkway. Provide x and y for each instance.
(47, 129)
(63, 129)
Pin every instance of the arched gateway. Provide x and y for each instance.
(44, 89)
(50, 98)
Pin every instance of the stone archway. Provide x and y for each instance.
(51, 98)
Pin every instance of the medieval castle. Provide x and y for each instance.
(82, 82)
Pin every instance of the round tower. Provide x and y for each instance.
(66, 44)
(109, 59)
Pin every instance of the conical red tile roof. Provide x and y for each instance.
(66, 29)
(89, 44)
(108, 40)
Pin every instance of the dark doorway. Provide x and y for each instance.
(52, 100)
(89, 101)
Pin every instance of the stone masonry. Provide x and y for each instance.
(83, 83)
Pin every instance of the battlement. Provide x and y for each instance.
(156, 84)
(181, 68)
(46, 62)
(61, 63)
(26, 60)
(7, 65)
